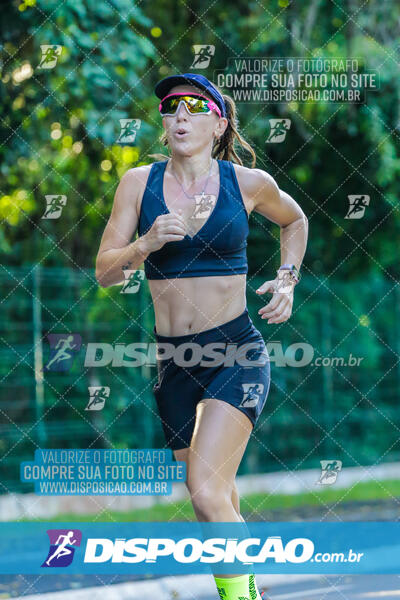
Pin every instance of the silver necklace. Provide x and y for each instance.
(203, 190)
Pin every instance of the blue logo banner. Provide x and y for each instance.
(184, 548)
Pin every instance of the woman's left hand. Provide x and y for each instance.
(279, 308)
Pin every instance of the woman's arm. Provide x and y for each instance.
(116, 252)
(280, 208)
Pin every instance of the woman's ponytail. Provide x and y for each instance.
(224, 147)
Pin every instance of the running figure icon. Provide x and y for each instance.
(64, 347)
(62, 550)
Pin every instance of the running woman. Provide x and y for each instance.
(191, 214)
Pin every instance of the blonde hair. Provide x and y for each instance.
(223, 147)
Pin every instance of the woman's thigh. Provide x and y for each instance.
(220, 437)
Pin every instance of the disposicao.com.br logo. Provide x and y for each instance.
(211, 551)
(192, 547)
(62, 547)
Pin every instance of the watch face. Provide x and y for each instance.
(286, 281)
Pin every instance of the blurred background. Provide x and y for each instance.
(60, 130)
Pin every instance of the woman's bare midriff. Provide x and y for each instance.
(192, 304)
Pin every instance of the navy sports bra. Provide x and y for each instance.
(218, 248)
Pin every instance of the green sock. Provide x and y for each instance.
(243, 587)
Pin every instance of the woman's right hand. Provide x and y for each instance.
(168, 227)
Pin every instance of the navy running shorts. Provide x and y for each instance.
(229, 362)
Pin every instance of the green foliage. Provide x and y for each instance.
(61, 123)
(113, 54)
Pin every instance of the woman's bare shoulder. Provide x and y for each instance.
(249, 178)
(135, 180)
(252, 183)
(139, 173)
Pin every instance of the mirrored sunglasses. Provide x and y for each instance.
(195, 104)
